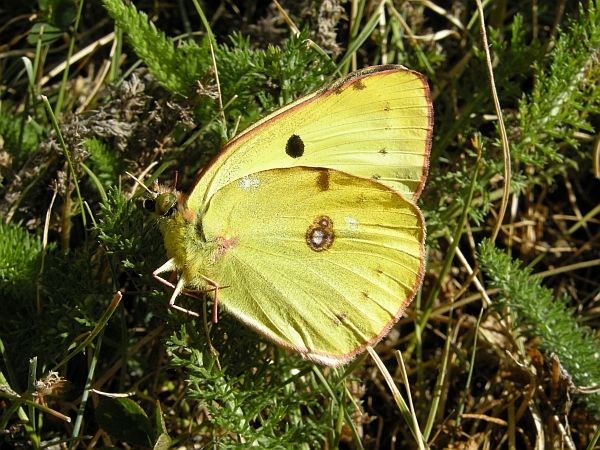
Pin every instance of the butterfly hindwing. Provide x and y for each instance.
(316, 260)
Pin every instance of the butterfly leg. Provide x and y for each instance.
(176, 292)
(166, 267)
(215, 285)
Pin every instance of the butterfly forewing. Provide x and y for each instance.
(375, 123)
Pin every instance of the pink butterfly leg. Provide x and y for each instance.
(170, 266)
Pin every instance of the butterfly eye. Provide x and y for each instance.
(149, 205)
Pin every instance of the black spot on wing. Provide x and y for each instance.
(294, 146)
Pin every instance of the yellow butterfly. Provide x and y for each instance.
(305, 226)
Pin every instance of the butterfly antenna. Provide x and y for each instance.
(140, 183)
(175, 181)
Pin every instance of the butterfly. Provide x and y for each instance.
(305, 226)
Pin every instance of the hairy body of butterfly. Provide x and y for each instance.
(308, 217)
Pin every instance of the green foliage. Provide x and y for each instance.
(20, 262)
(123, 419)
(176, 70)
(20, 135)
(119, 224)
(133, 244)
(274, 77)
(73, 290)
(55, 19)
(105, 164)
(178, 67)
(39, 307)
(563, 100)
(262, 401)
(541, 135)
(538, 313)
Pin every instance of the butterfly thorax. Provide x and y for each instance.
(186, 244)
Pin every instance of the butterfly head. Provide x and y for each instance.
(161, 204)
(162, 200)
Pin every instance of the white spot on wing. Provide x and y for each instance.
(248, 182)
(318, 237)
(351, 223)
